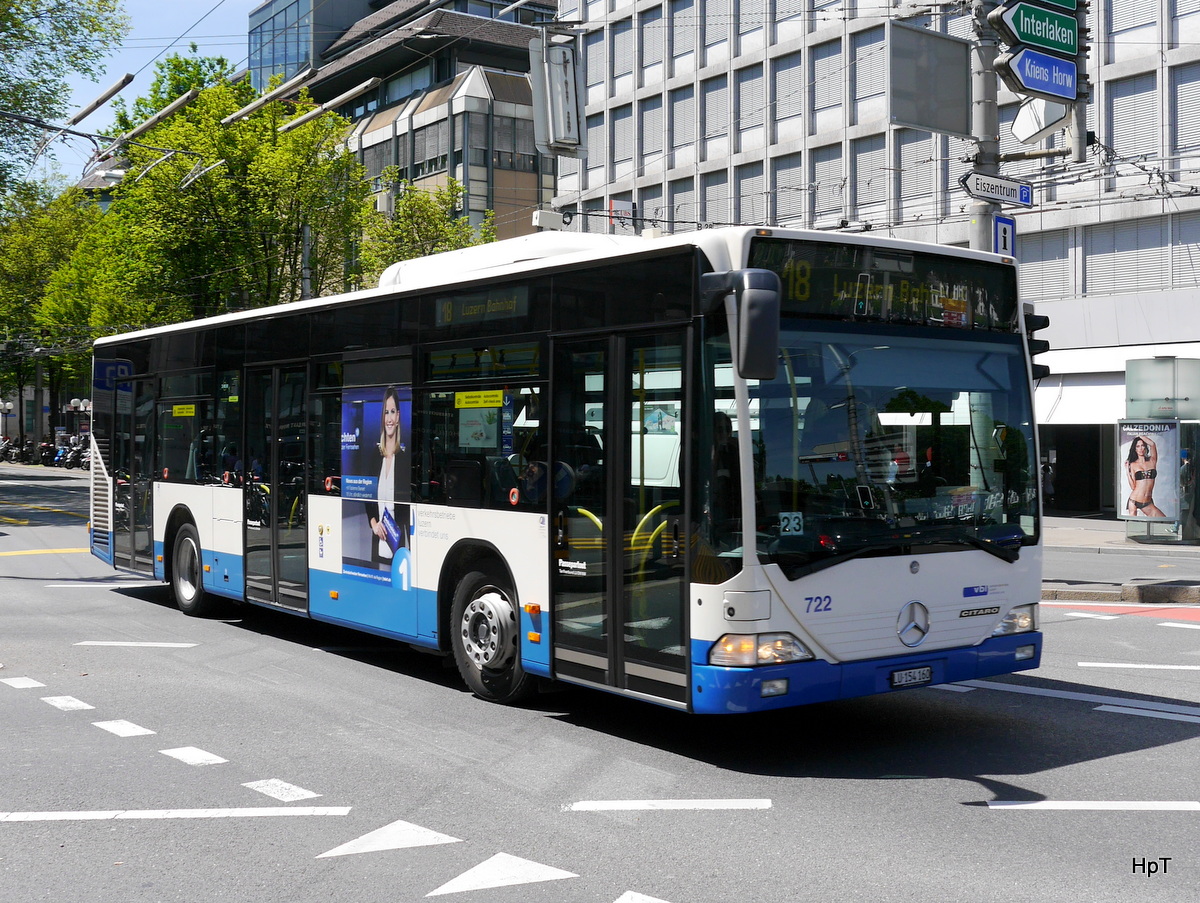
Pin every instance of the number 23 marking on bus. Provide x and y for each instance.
(818, 603)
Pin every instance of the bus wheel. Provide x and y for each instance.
(484, 630)
(187, 579)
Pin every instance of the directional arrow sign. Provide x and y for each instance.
(1028, 71)
(1024, 23)
(997, 188)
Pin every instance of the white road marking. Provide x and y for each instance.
(281, 790)
(953, 688)
(99, 584)
(1139, 666)
(1174, 606)
(140, 814)
(1177, 624)
(122, 728)
(396, 836)
(632, 897)
(1168, 716)
(1088, 614)
(67, 703)
(1087, 697)
(628, 805)
(502, 870)
(21, 683)
(190, 755)
(1101, 805)
(137, 645)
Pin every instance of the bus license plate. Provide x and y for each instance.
(912, 677)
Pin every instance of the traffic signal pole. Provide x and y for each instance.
(985, 120)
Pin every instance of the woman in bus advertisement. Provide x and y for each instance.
(375, 479)
(1149, 467)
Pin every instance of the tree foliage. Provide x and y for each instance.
(424, 222)
(174, 76)
(44, 41)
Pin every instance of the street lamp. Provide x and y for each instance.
(5, 409)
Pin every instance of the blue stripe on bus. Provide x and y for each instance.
(226, 574)
(718, 690)
(160, 567)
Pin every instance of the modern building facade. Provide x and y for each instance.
(703, 112)
(454, 100)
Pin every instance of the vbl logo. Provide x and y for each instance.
(969, 591)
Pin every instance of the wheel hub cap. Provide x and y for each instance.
(489, 629)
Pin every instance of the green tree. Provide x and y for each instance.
(424, 222)
(43, 41)
(35, 242)
(272, 216)
(174, 76)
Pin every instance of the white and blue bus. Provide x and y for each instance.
(727, 471)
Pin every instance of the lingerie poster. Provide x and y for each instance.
(1147, 470)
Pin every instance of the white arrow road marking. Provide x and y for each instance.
(502, 870)
(139, 814)
(189, 755)
(281, 790)
(21, 683)
(67, 703)
(122, 728)
(626, 805)
(398, 835)
(631, 897)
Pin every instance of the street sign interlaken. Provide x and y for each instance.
(1029, 71)
(1024, 23)
(997, 188)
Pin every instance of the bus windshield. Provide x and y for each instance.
(875, 443)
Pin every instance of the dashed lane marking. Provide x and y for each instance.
(67, 703)
(190, 755)
(1139, 666)
(1099, 805)
(281, 790)
(43, 552)
(123, 728)
(139, 814)
(1146, 713)
(629, 805)
(137, 645)
(1184, 626)
(1088, 614)
(21, 683)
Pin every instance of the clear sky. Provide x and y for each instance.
(159, 28)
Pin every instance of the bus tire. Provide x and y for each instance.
(485, 628)
(187, 572)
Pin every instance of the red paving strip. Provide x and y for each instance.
(1168, 612)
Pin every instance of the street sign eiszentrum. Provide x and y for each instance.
(997, 188)
(1025, 23)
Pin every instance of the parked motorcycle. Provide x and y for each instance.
(46, 453)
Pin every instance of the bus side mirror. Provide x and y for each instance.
(758, 293)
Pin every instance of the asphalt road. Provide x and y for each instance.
(147, 756)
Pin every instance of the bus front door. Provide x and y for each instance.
(620, 545)
(132, 472)
(274, 487)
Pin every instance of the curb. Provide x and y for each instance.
(1178, 592)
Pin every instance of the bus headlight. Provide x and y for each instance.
(746, 650)
(1021, 619)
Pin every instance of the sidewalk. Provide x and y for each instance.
(1101, 535)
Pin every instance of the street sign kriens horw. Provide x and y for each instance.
(997, 188)
(1025, 23)
(1029, 71)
